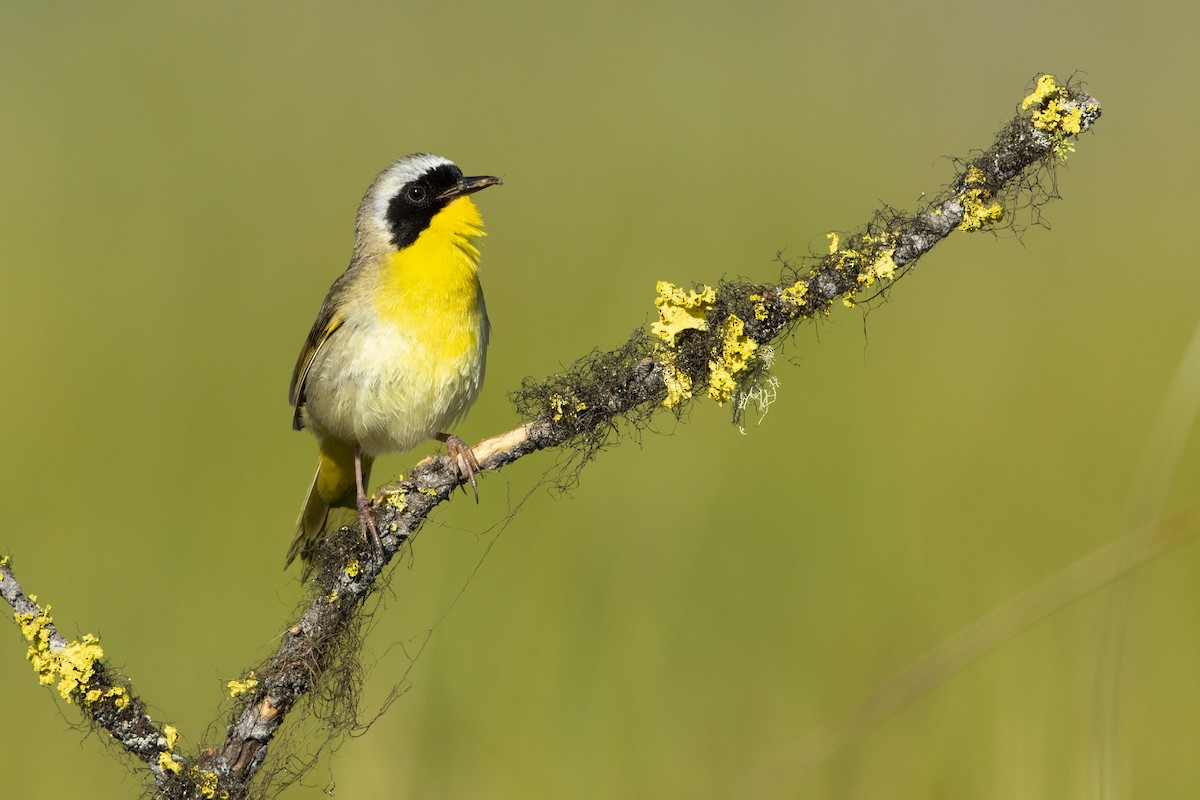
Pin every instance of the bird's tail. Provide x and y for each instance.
(333, 489)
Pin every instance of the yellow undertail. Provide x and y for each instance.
(332, 499)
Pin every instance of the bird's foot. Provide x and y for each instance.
(464, 460)
(367, 521)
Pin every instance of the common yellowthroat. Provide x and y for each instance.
(397, 353)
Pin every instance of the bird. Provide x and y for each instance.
(398, 351)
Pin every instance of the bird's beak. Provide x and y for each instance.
(469, 186)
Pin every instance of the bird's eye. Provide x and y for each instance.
(415, 194)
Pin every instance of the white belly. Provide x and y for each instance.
(390, 388)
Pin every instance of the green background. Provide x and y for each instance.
(179, 183)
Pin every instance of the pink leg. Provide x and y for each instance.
(365, 519)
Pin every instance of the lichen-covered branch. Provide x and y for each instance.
(717, 340)
(714, 342)
(708, 338)
(76, 671)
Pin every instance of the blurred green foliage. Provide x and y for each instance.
(179, 188)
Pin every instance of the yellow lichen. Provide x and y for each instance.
(1056, 117)
(881, 268)
(977, 211)
(168, 763)
(205, 780)
(557, 402)
(332, 596)
(680, 310)
(721, 384)
(737, 350)
(562, 406)
(678, 382)
(885, 266)
(118, 693)
(1072, 121)
(71, 667)
(1055, 114)
(353, 568)
(168, 740)
(760, 308)
(397, 497)
(869, 257)
(427, 490)
(794, 293)
(242, 686)
(1046, 86)
(848, 300)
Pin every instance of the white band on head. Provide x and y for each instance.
(389, 182)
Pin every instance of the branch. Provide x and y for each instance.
(76, 670)
(708, 340)
(705, 338)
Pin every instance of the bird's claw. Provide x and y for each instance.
(464, 460)
(366, 520)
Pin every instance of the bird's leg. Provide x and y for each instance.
(365, 519)
(463, 457)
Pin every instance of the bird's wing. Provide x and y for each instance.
(328, 321)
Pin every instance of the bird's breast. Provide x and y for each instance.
(430, 292)
(409, 359)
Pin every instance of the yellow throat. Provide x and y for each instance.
(431, 287)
